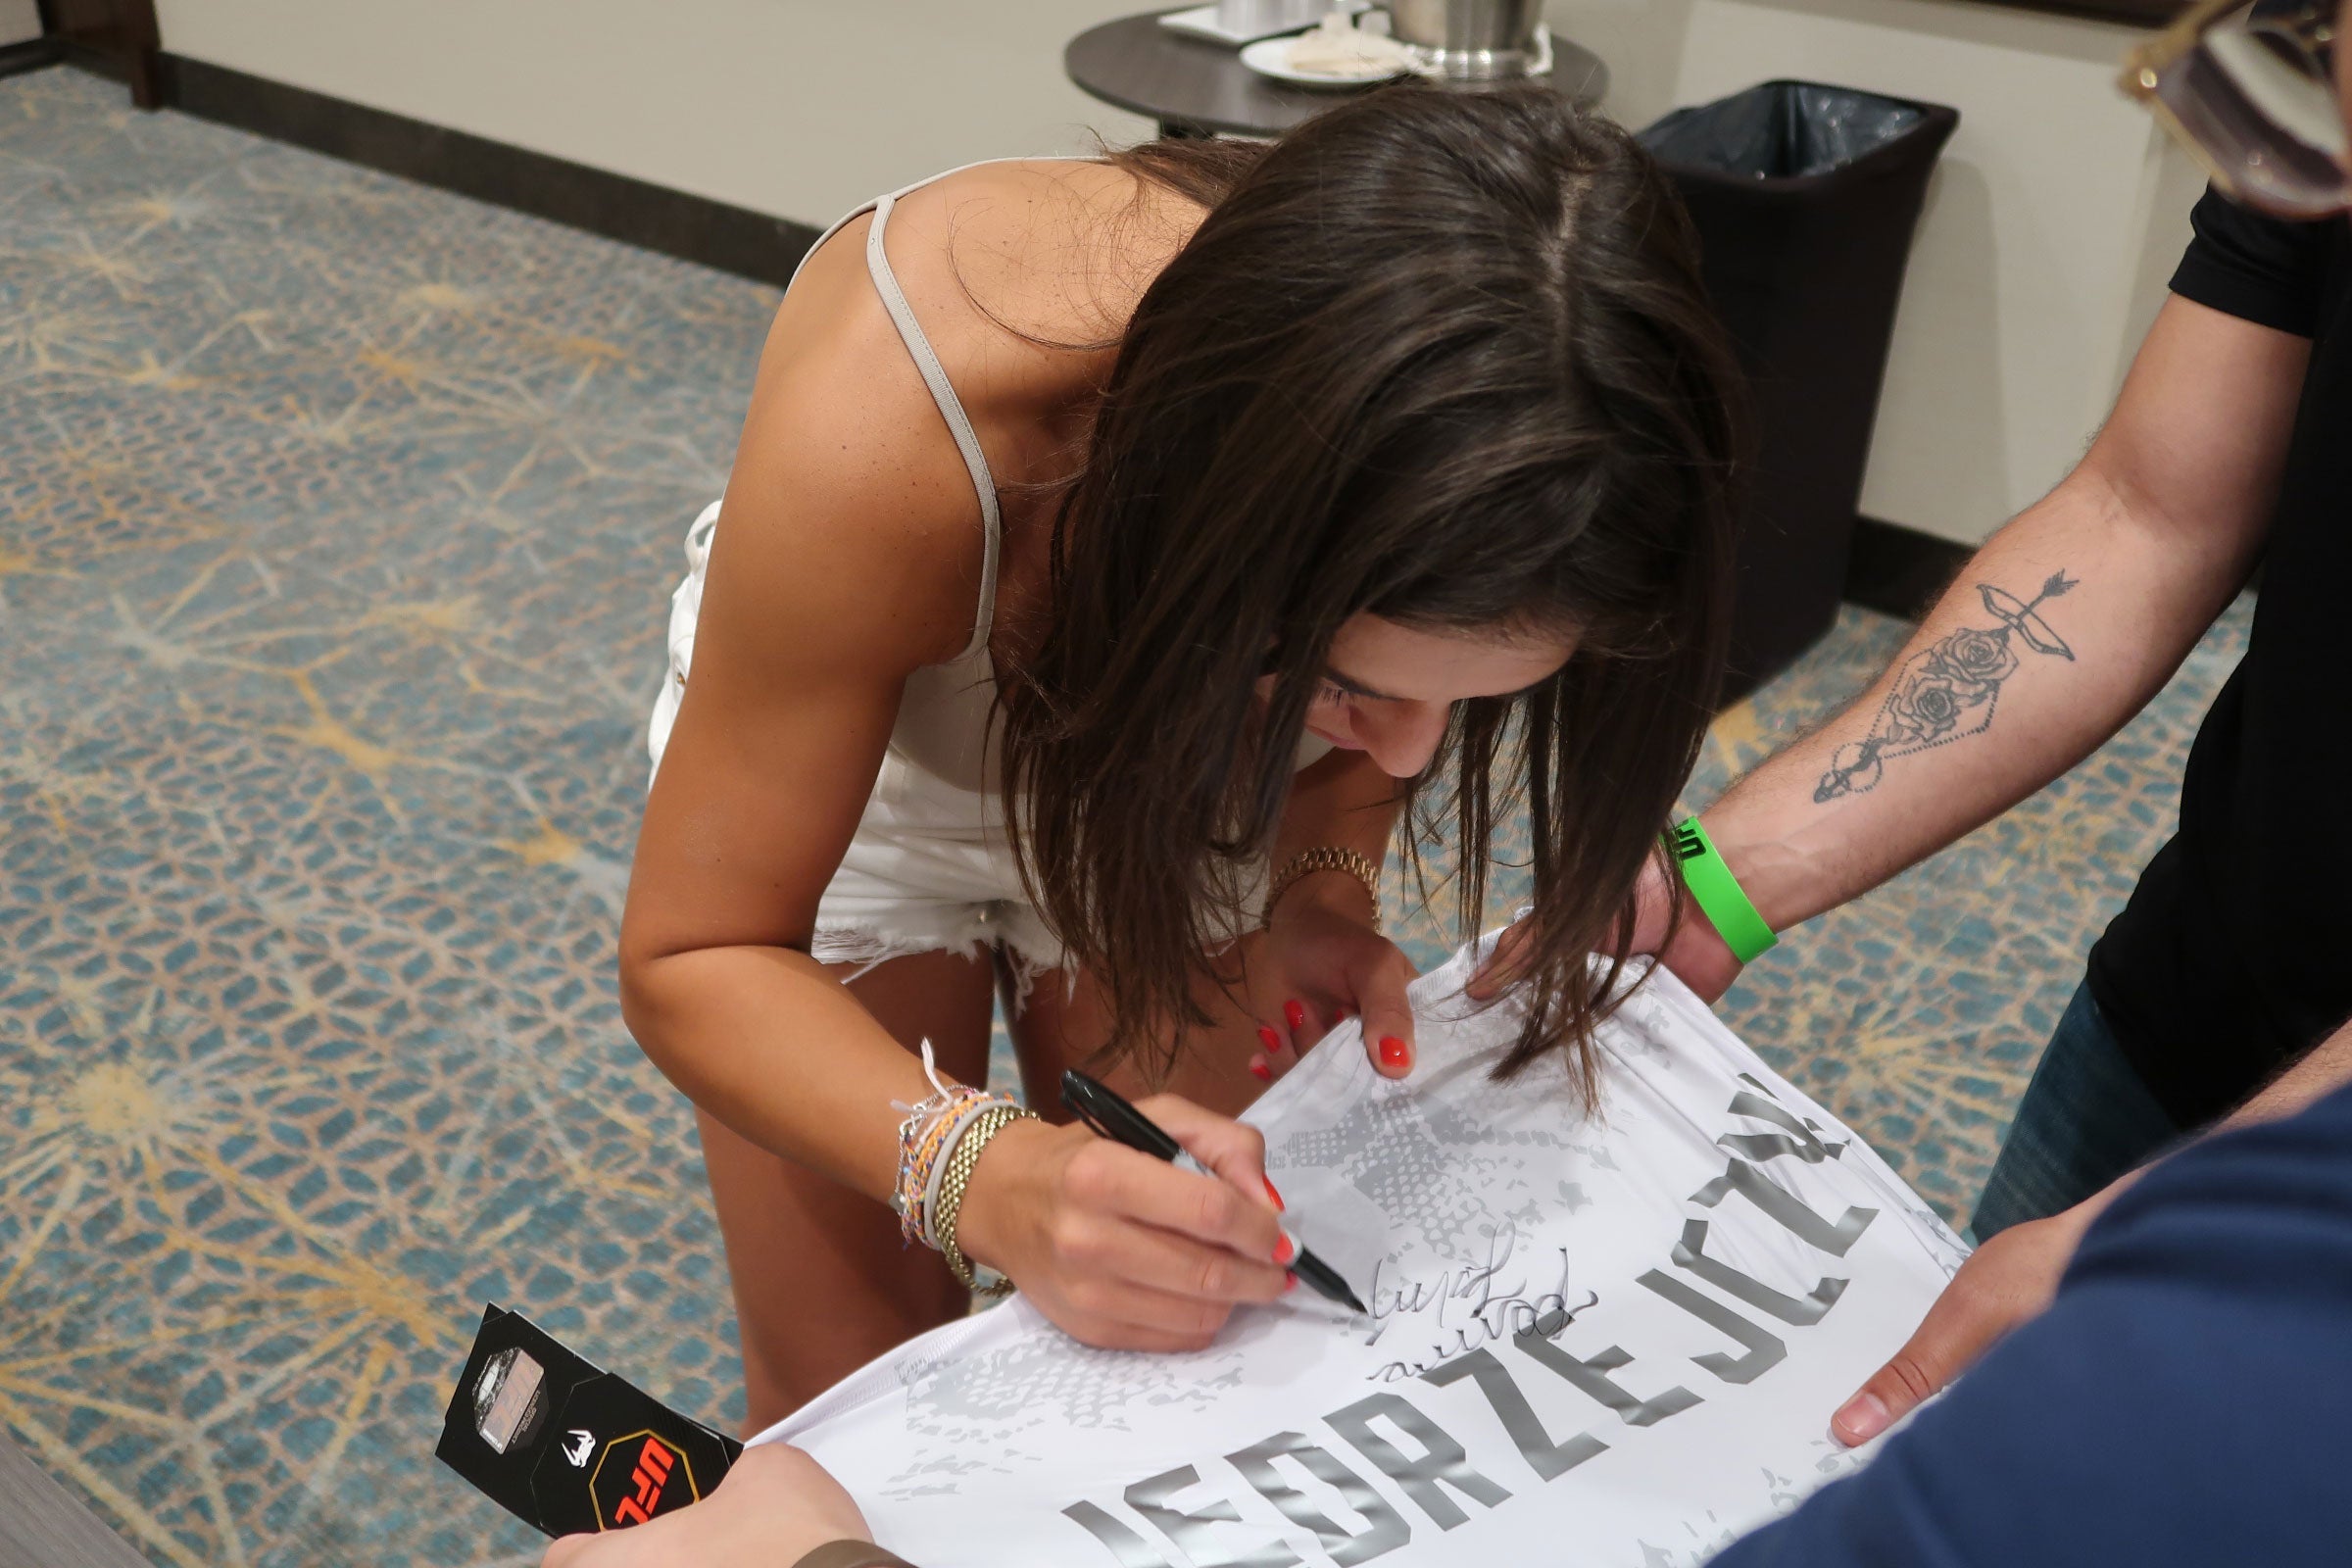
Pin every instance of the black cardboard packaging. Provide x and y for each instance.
(564, 1444)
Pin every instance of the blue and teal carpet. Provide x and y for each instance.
(337, 518)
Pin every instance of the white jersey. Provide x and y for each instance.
(1607, 1339)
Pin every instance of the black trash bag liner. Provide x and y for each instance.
(1781, 131)
(1806, 197)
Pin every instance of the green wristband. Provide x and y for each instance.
(1719, 894)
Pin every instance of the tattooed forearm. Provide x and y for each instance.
(1947, 689)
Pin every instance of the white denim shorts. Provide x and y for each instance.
(930, 868)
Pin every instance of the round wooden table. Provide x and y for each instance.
(1199, 87)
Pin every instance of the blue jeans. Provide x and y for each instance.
(2087, 1117)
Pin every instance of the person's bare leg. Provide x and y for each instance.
(823, 1282)
(1060, 1025)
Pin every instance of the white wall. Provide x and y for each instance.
(800, 108)
(2052, 223)
(20, 20)
(2054, 219)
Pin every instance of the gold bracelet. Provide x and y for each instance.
(1325, 857)
(976, 1133)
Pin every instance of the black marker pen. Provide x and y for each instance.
(1116, 1120)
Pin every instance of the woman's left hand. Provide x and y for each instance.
(1320, 962)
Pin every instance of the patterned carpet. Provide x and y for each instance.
(336, 521)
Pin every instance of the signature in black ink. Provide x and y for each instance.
(1472, 1307)
(1947, 689)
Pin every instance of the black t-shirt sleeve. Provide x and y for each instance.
(2261, 269)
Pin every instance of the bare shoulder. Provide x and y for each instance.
(849, 490)
(848, 496)
(1058, 249)
(1025, 272)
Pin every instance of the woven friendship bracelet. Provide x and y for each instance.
(935, 1174)
(1324, 858)
(919, 1163)
(927, 1130)
(983, 1126)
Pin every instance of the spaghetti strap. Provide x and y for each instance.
(951, 408)
(935, 376)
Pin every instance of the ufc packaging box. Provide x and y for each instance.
(565, 1446)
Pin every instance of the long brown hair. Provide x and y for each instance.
(1439, 356)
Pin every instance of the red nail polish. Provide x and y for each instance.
(1273, 1041)
(1293, 1014)
(1290, 1282)
(1261, 1072)
(1394, 1052)
(1279, 1204)
(1286, 1252)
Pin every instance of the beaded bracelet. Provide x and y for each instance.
(917, 1165)
(933, 1170)
(984, 1125)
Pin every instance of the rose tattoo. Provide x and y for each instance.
(1947, 689)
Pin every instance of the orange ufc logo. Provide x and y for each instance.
(651, 1475)
(638, 1493)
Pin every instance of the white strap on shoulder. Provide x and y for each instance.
(951, 408)
(935, 376)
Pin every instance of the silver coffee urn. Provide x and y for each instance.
(1471, 40)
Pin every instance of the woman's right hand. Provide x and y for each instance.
(1122, 1250)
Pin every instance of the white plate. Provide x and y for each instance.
(1271, 57)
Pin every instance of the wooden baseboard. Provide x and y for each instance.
(694, 228)
(30, 54)
(1900, 571)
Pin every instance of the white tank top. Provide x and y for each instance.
(944, 724)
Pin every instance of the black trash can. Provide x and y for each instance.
(1806, 197)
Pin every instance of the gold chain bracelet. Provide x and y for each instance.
(983, 1126)
(1325, 857)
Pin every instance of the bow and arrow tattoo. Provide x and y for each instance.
(1949, 689)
